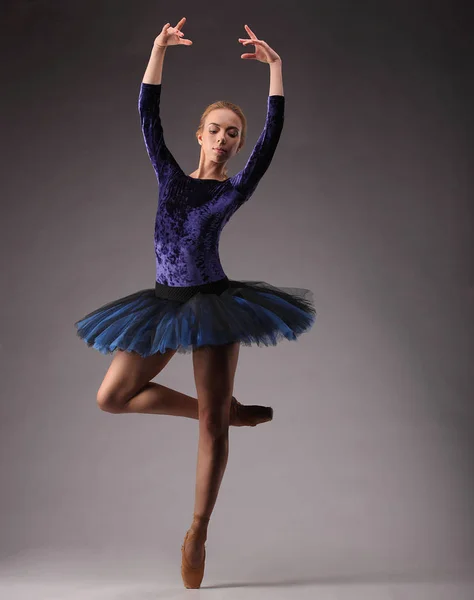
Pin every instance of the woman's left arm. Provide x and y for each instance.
(276, 79)
(248, 178)
(265, 54)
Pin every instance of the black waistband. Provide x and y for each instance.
(186, 292)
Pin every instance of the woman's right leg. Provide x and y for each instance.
(127, 388)
(127, 380)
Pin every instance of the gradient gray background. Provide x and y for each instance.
(365, 471)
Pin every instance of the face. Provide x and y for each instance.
(222, 130)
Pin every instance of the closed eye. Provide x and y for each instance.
(232, 134)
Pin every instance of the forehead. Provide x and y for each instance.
(223, 117)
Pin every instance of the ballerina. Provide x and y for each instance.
(194, 306)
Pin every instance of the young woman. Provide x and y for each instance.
(194, 307)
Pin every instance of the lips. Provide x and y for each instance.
(220, 150)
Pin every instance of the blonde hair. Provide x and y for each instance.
(224, 104)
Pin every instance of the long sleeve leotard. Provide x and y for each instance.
(192, 212)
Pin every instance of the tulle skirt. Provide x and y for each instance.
(186, 318)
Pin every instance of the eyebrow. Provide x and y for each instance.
(230, 126)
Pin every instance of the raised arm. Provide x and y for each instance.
(247, 179)
(149, 102)
(161, 158)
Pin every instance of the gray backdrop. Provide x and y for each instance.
(365, 469)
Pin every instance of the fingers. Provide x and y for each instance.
(250, 32)
(179, 25)
(181, 22)
(180, 38)
(253, 41)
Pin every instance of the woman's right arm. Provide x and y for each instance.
(168, 36)
(161, 158)
(154, 68)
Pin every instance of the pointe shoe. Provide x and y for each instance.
(192, 576)
(242, 415)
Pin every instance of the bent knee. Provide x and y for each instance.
(109, 402)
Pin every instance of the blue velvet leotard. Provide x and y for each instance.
(192, 212)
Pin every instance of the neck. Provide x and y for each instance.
(208, 169)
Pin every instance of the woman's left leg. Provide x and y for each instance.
(214, 373)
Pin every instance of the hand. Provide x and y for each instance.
(263, 52)
(172, 36)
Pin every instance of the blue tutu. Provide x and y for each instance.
(156, 320)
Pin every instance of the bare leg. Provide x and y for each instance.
(158, 399)
(214, 371)
(155, 398)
